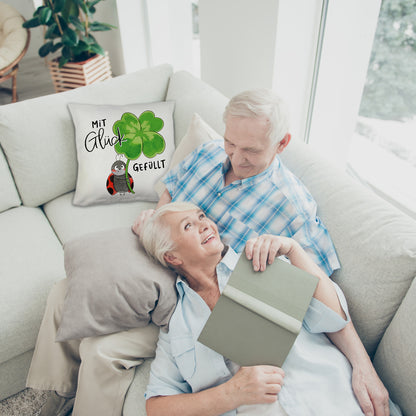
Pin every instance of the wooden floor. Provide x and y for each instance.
(33, 80)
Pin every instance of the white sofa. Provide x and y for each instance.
(376, 243)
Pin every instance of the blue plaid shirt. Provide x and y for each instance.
(272, 202)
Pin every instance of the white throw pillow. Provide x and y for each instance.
(122, 151)
(198, 133)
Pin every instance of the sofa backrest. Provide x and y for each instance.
(375, 242)
(191, 95)
(394, 358)
(9, 198)
(37, 135)
(376, 245)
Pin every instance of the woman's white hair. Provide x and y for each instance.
(261, 103)
(156, 236)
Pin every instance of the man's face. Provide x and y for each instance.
(195, 236)
(247, 146)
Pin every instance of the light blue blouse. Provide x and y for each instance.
(317, 375)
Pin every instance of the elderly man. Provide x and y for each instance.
(242, 185)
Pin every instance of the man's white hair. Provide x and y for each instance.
(156, 236)
(261, 104)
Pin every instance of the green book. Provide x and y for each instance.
(259, 314)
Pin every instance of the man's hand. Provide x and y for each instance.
(141, 219)
(264, 249)
(255, 385)
(370, 392)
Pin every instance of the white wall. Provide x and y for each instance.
(170, 33)
(107, 12)
(296, 41)
(238, 41)
(130, 49)
(268, 44)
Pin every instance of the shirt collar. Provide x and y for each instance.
(224, 269)
(252, 180)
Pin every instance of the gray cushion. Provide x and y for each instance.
(9, 196)
(31, 261)
(113, 286)
(38, 135)
(394, 359)
(191, 95)
(375, 242)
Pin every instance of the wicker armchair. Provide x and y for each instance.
(14, 42)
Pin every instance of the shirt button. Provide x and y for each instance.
(219, 194)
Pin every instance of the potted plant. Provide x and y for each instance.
(68, 30)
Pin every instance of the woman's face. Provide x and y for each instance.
(195, 236)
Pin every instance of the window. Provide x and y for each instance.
(383, 147)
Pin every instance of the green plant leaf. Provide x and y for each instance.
(66, 52)
(45, 13)
(77, 23)
(63, 23)
(96, 48)
(89, 40)
(81, 4)
(100, 27)
(52, 31)
(58, 5)
(82, 47)
(139, 135)
(70, 9)
(57, 46)
(70, 37)
(92, 3)
(45, 49)
(34, 22)
(62, 61)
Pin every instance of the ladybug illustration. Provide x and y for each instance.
(116, 181)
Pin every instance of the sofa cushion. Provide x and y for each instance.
(113, 286)
(192, 95)
(198, 133)
(41, 150)
(115, 141)
(9, 196)
(394, 359)
(374, 241)
(70, 221)
(134, 404)
(31, 260)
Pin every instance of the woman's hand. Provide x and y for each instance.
(141, 219)
(255, 385)
(264, 249)
(370, 391)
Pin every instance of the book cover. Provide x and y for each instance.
(259, 314)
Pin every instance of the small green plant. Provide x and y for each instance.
(68, 24)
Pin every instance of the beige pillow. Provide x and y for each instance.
(113, 285)
(198, 133)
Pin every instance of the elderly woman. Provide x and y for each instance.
(187, 378)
